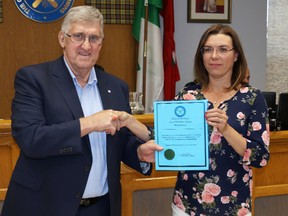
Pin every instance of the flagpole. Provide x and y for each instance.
(145, 51)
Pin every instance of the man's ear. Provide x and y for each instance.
(61, 39)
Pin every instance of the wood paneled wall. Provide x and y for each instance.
(24, 42)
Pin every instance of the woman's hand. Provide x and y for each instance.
(136, 127)
(217, 118)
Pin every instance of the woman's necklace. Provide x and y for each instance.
(217, 98)
(216, 103)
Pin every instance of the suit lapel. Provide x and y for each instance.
(65, 85)
(104, 89)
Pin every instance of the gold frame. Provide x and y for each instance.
(208, 17)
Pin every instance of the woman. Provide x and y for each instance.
(238, 128)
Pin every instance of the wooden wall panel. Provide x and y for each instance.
(24, 41)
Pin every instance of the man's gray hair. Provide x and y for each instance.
(82, 13)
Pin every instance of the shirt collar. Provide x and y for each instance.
(92, 77)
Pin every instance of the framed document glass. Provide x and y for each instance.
(209, 11)
(181, 128)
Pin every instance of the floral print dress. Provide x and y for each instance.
(226, 188)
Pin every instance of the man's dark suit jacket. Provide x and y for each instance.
(51, 172)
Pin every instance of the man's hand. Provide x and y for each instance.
(146, 151)
(105, 120)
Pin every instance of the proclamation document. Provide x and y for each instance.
(181, 128)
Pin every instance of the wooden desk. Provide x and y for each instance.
(271, 180)
(9, 153)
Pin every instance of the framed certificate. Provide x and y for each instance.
(181, 128)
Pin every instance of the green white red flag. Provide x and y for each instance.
(154, 51)
(171, 71)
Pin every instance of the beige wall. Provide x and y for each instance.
(277, 47)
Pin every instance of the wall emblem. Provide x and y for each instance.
(44, 10)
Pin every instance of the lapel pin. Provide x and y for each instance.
(109, 91)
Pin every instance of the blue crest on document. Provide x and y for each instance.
(180, 111)
(44, 10)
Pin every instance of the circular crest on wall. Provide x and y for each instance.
(44, 10)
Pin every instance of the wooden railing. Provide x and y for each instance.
(271, 180)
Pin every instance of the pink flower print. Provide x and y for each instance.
(188, 97)
(247, 154)
(250, 173)
(245, 205)
(207, 197)
(248, 133)
(240, 115)
(268, 128)
(198, 198)
(251, 186)
(193, 213)
(244, 90)
(179, 194)
(213, 163)
(185, 177)
(246, 168)
(243, 212)
(215, 137)
(256, 126)
(245, 178)
(225, 199)
(266, 137)
(193, 92)
(241, 118)
(212, 188)
(230, 173)
(201, 175)
(234, 193)
(178, 202)
(263, 163)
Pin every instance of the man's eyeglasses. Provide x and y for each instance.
(79, 38)
(220, 51)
